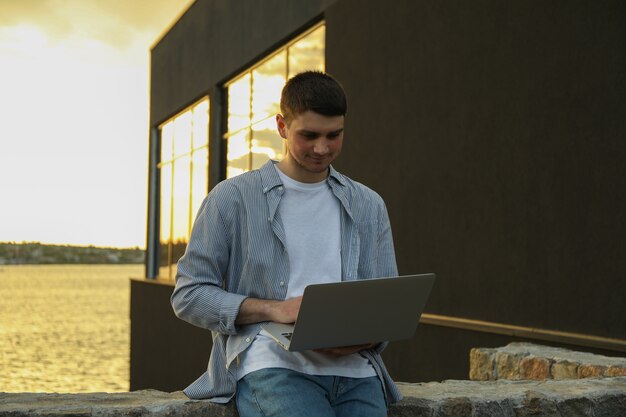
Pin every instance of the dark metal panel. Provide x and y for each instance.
(214, 40)
(494, 131)
(154, 185)
(217, 147)
(166, 353)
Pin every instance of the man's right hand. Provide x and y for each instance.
(255, 310)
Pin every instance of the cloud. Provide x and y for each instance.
(115, 22)
(74, 102)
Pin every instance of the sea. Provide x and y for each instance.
(65, 328)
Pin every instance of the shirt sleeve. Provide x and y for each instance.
(386, 253)
(199, 296)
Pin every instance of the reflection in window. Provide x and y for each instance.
(184, 171)
(254, 100)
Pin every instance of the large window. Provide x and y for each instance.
(254, 97)
(184, 180)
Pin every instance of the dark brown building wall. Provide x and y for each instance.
(495, 133)
(214, 41)
(165, 353)
(493, 130)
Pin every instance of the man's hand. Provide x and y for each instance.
(255, 310)
(346, 350)
(284, 311)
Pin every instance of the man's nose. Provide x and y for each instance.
(320, 147)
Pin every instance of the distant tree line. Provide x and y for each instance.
(12, 253)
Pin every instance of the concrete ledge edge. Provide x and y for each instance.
(592, 396)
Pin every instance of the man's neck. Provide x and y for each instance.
(294, 171)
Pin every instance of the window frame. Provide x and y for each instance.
(252, 123)
(170, 163)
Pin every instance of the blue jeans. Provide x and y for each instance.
(283, 392)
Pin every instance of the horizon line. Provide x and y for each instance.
(74, 245)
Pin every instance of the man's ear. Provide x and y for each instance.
(281, 126)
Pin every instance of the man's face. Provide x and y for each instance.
(313, 142)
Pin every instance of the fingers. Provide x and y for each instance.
(255, 310)
(287, 311)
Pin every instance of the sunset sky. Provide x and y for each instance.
(74, 90)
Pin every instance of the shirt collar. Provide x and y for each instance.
(270, 178)
(336, 176)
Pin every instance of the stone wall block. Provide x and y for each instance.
(507, 366)
(576, 407)
(482, 364)
(412, 406)
(493, 408)
(520, 361)
(591, 371)
(604, 397)
(619, 370)
(610, 405)
(536, 404)
(453, 407)
(563, 369)
(532, 367)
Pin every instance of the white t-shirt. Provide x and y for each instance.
(311, 219)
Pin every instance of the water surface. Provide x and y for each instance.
(65, 328)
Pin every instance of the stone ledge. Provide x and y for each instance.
(535, 362)
(593, 396)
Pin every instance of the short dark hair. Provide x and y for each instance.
(315, 91)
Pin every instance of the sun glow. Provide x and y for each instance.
(74, 119)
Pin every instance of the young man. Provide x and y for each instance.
(258, 240)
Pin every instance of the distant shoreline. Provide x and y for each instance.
(71, 264)
(35, 253)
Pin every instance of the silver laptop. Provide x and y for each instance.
(358, 312)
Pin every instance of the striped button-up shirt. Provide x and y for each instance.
(237, 250)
